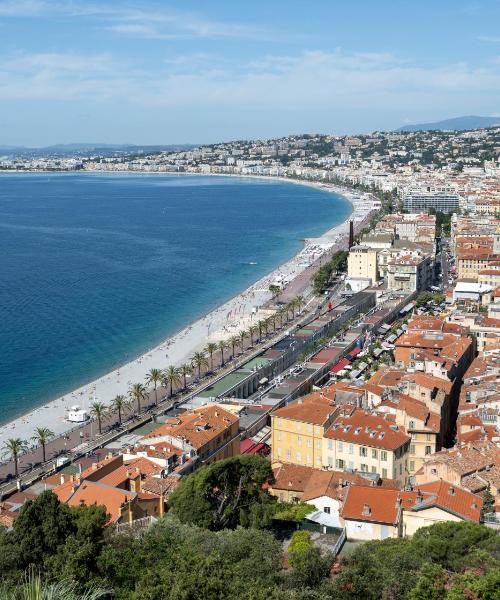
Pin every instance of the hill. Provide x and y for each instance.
(457, 124)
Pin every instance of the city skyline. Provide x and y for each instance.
(151, 73)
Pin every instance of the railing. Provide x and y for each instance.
(340, 542)
(136, 525)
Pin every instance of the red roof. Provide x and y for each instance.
(355, 352)
(340, 365)
(248, 446)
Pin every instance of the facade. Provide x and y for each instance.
(417, 200)
(409, 273)
(362, 263)
(359, 441)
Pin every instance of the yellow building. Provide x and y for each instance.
(367, 442)
(362, 263)
(298, 430)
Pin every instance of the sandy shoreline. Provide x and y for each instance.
(228, 319)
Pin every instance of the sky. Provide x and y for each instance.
(202, 71)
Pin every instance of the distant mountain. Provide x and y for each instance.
(86, 149)
(458, 124)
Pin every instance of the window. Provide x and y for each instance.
(411, 424)
(339, 463)
(318, 460)
(340, 446)
(280, 422)
(279, 436)
(412, 448)
(330, 444)
(374, 469)
(428, 450)
(299, 440)
(326, 510)
(428, 437)
(374, 453)
(351, 465)
(412, 465)
(279, 452)
(318, 444)
(384, 473)
(330, 461)
(413, 436)
(351, 449)
(364, 468)
(289, 454)
(363, 451)
(400, 468)
(383, 455)
(299, 456)
(309, 443)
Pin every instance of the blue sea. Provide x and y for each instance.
(97, 268)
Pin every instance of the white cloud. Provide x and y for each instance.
(314, 81)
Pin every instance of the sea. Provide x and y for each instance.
(97, 268)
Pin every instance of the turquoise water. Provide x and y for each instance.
(97, 268)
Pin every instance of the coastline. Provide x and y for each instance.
(225, 320)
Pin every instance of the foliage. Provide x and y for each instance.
(225, 494)
(338, 263)
(285, 511)
(488, 502)
(425, 297)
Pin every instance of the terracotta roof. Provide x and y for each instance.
(468, 458)
(197, 428)
(451, 498)
(316, 412)
(90, 492)
(367, 429)
(371, 504)
(291, 477)
(429, 381)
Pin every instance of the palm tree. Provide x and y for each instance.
(154, 377)
(119, 404)
(291, 307)
(171, 377)
(199, 360)
(99, 411)
(299, 302)
(282, 311)
(42, 435)
(210, 348)
(252, 330)
(221, 346)
(234, 341)
(13, 448)
(260, 327)
(243, 335)
(138, 393)
(32, 587)
(185, 370)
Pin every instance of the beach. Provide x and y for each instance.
(226, 320)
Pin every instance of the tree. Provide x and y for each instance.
(99, 411)
(171, 378)
(13, 447)
(299, 302)
(225, 494)
(138, 393)
(252, 330)
(488, 503)
(243, 335)
(282, 312)
(41, 437)
(119, 404)
(221, 346)
(210, 348)
(199, 361)
(275, 291)
(185, 371)
(261, 326)
(234, 341)
(154, 377)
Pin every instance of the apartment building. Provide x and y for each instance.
(362, 263)
(364, 441)
(409, 272)
(298, 430)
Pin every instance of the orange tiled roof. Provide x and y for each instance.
(371, 504)
(316, 412)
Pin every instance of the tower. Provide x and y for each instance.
(351, 234)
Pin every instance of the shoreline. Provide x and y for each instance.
(225, 320)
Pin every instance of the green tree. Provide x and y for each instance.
(210, 348)
(171, 378)
(243, 335)
(224, 493)
(119, 404)
(99, 411)
(41, 437)
(138, 394)
(154, 377)
(185, 371)
(252, 331)
(221, 346)
(488, 503)
(12, 448)
(234, 340)
(199, 361)
(275, 291)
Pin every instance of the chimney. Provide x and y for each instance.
(62, 478)
(399, 501)
(451, 491)
(367, 511)
(94, 466)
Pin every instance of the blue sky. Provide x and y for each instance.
(159, 72)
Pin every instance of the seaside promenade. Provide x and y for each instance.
(298, 284)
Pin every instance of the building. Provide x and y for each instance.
(362, 263)
(298, 430)
(409, 272)
(363, 441)
(207, 434)
(420, 201)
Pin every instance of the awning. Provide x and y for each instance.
(339, 366)
(263, 380)
(407, 308)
